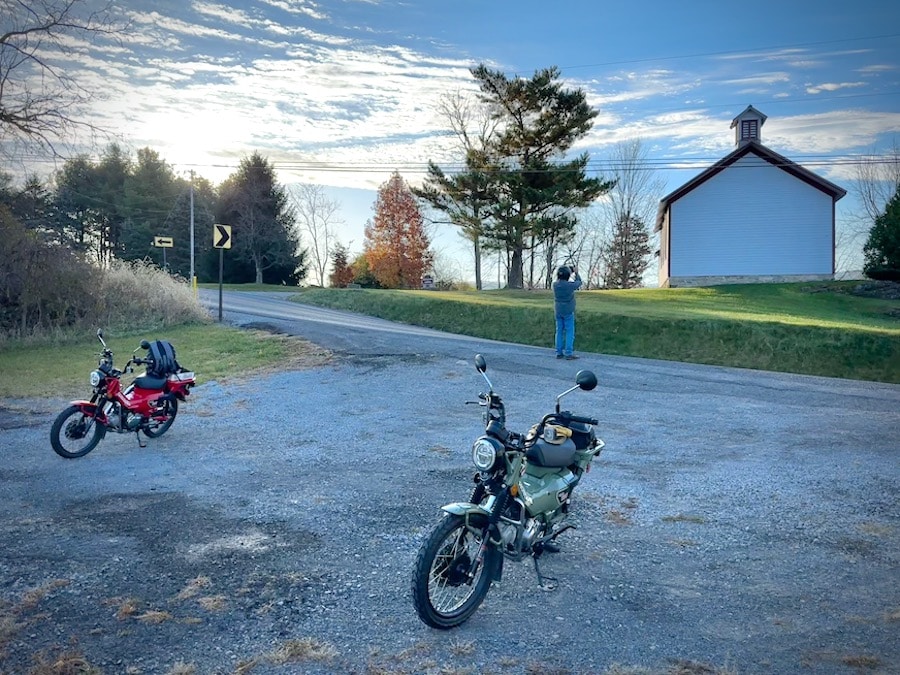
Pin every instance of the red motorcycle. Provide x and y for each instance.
(148, 405)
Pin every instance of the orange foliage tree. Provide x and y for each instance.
(396, 246)
(342, 272)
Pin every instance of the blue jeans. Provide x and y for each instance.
(565, 334)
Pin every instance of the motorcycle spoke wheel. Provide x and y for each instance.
(443, 593)
(160, 421)
(75, 434)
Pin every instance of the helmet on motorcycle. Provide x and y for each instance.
(563, 273)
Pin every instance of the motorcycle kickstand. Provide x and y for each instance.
(141, 444)
(545, 583)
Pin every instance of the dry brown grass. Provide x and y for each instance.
(181, 668)
(617, 517)
(68, 662)
(303, 649)
(12, 621)
(684, 518)
(193, 588)
(127, 607)
(462, 647)
(861, 661)
(153, 296)
(154, 616)
(32, 597)
(876, 529)
(245, 667)
(213, 603)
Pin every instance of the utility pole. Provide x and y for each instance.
(193, 278)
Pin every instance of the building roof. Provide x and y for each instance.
(762, 152)
(749, 112)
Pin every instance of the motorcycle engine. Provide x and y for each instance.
(532, 529)
(132, 421)
(507, 533)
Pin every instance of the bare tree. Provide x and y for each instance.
(40, 101)
(877, 178)
(586, 250)
(632, 205)
(464, 196)
(317, 216)
(876, 182)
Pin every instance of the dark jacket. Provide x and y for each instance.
(564, 295)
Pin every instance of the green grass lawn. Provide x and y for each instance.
(815, 328)
(214, 351)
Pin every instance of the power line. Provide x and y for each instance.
(730, 52)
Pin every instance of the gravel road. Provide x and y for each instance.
(737, 521)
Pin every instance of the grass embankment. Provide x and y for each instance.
(815, 329)
(212, 351)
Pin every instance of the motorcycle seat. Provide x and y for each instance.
(150, 382)
(551, 455)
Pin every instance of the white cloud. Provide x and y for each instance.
(309, 9)
(877, 68)
(761, 78)
(832, 86)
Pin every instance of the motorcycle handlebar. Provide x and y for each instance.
(569, 417)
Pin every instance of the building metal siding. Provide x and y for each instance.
(751, 219)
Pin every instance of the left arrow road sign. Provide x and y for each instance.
(163, 242)
(221, 236)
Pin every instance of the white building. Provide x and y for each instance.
(754, 216)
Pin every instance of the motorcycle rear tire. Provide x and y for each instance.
(446, 552)
(171, 409)
(67, 421)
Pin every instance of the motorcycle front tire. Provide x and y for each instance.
(442, 596)
(73, 424)
(154, 428)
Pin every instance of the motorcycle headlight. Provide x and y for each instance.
(95, 378)
(485, 453)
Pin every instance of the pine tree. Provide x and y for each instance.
(627, 256)
(882, 248)
(396, 246)
(341, 272)
(263, 221)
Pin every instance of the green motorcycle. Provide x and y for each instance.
(523, 489)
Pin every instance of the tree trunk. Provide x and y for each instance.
(516, 267)
(477, 242)
(259, 270)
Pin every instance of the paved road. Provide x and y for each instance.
(737, 519)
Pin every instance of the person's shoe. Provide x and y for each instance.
(571, 357)
(559, 356)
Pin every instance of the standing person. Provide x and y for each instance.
(564, 306)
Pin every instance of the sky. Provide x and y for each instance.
(341, 93)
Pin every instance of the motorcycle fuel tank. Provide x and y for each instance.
(545, 489)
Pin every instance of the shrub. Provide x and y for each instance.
(49, 291)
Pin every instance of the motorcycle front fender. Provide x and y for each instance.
(465, 508)
(88, 408)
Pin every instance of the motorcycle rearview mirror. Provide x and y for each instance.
(481, 366)
(586, 380)
(145, 344)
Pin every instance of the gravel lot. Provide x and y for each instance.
(737, 520)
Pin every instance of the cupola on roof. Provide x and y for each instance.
(747, 126)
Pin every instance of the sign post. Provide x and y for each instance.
(163, 243)
(221, 241)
